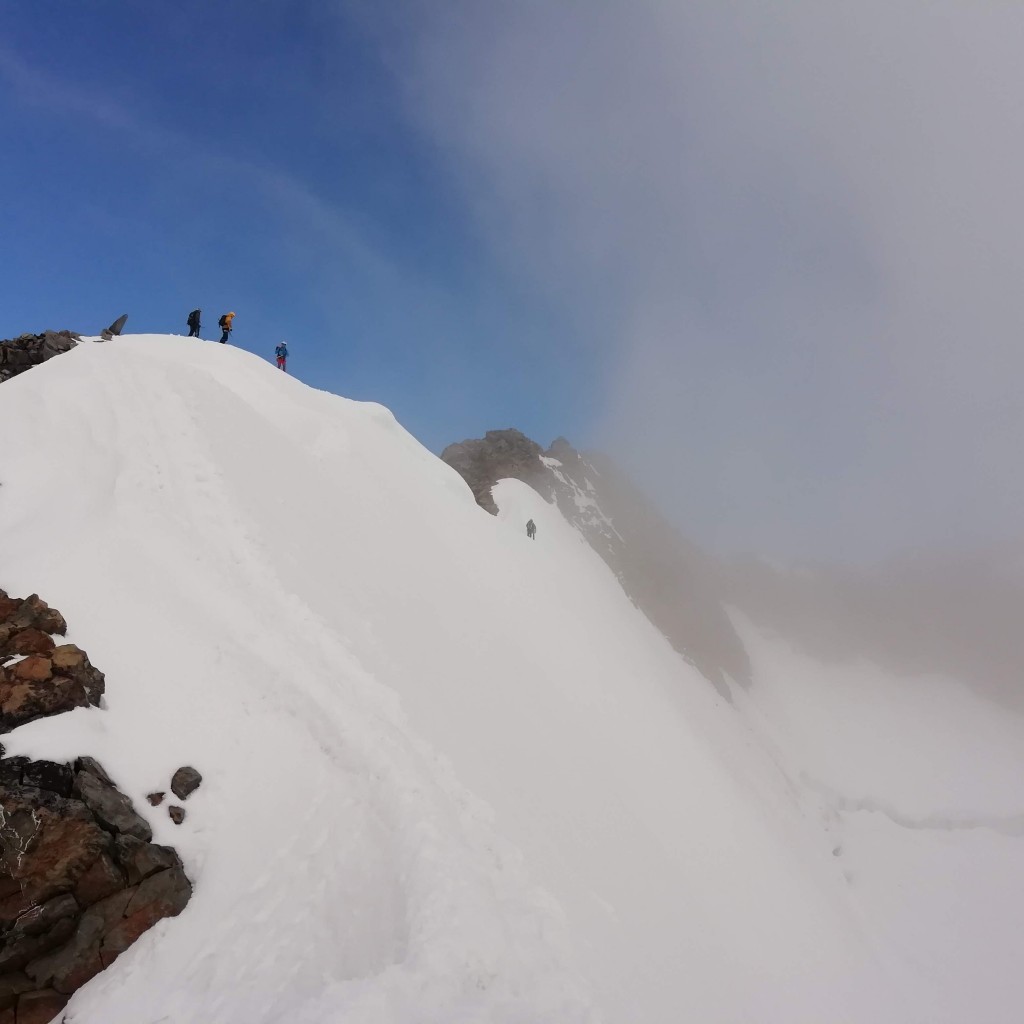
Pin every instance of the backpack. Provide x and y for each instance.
(223, 321)
(193, 317)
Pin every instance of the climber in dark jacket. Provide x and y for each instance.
(531, 529)
(193, 323)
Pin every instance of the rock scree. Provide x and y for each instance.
(80, 878)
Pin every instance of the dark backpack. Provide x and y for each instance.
(223, 321)
(193, 317)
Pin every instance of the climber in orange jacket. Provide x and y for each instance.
(225, 324)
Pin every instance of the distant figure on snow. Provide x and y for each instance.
(193, 323)
(225, 324)
(282, 356)
(531, 529)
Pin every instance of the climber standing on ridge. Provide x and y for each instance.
(531, 529)
(193, 323)
(225, 324)
(282, 356)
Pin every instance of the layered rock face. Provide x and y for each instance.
(80, 879)
(668, 578)
(27, 350)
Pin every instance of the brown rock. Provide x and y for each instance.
(177, 814)
(36, 613)
(28, 641)
(40, 1007)
(68, 657)
(46, 849)
(71, 661)
(34, 669)
(24, 701)
(101, 880)
(8, 606)
(7, 1017)
(155, 798)
(161, 895)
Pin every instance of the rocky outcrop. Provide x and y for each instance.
(80, 878)
(498, 455)
(38, 677)
(669, 579)
(79, 881)
(28, 350)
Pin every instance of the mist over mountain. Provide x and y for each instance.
(921, 614)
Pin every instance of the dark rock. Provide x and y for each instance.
(12, 984)
(57, 778)
(185, 781)
(155, 799)
(38, 929)
(103, 879)
(140, 860)
(91, 766)
(28, 350)
(10, 771)
(177, 814)
(113, 809)
(70, 967)
(40, 1007)
(500, 454)
(117, 326)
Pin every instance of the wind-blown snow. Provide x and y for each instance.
(452, 774)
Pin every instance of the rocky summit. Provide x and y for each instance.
(669, 579)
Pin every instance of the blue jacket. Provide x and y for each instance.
(281, 351)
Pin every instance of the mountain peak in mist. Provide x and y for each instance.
(670, 579)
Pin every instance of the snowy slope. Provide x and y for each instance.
(449, 774)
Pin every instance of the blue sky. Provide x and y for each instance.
(767, 255)
(256, 157)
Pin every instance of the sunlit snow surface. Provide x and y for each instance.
(452, 774)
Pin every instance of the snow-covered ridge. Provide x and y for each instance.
(451, 774)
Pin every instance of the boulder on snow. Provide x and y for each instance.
(115, 328)
(177, 814)
(184, 782)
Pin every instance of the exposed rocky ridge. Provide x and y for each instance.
(80, 879)
(27, 350)
(668, 578)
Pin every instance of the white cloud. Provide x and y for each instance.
(796, 226)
